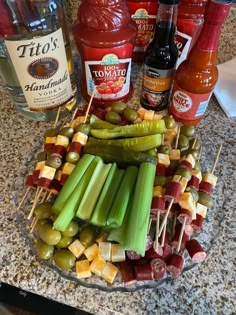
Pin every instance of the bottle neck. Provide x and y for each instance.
(209, 37)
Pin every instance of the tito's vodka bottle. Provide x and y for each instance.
(35, 57)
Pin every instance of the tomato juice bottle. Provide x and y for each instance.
(105, 37)
(160, 59)
(196, 77)
(143, 14)
(189, 24)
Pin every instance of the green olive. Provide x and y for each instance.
(197, 144)
(43, 250)
(118, 107)
(166, 149)
(113, 117)
(169, 122)
(183, 142)
(130, 114)
(54, 161)
(42, 156)
(83, 128)
(43, 210)
(72, 157)
(64, 259)
(184, 173)
(197, 166)
(205, 199)
(64, 242)
(67, 132)
(87, 235)
(72, 229)
(48, 234)
(194, 193)
(161, 180)
(52, 132)
(187, 131)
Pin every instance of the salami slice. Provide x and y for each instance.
(172, 191)
(185, 213)
(158, 268)
(143, 271)
(194, 182)
(175, 265)
(197, 223)
(206, 187)
(185, 164)
(195, 251)
(127, 272)
(152, 253)
(75, 147)
(160, 169)
(158, 204)
(167, 252)
(132, 255)
(59, 150)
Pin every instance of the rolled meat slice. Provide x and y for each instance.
(197, 223)
(152, 253)
(29, 182)
(195, 251)
(158, 268)
(172, 191)
(194, 182)
(184, 213)
(206, 187)
(143, 271)
(75, 147)
(175, 265)
(167, 252)
(132, 255)
(160, 169)
(127, 272)
(185, 164)
(158, 204)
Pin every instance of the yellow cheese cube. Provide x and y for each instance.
(186, 202)
(201, 209)
(170, 135)
(109, 272)
(83, 269)
(141, 112)
(50, 139)
(58, 175)
(104, 251)
(47, 172)
(157, 117)
(91, 252)
(163, 159)
(97, 266)
(198, 174)
(117, 253)
(158, 191)
(80, 137)
(182, 180)
(67, 168)
(62, 140)
(76, 248)
(39, 166)
(148, 115)
(175, 155)
(209, 178)
(190, 159)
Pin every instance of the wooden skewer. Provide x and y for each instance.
(173, 225)
(165, 217)
(181, 235)
(34, 222)
(49, 195)
(23, 199)
(57, 117)
(44, 196)
(157, 231)
(37, 196)
(89, 105)
(217, 159)
(163, 236)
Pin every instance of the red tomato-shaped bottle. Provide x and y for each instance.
(189, 24)
(144, 14)
(105, 37)
(196, 76)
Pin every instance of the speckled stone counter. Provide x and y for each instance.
(207, 289)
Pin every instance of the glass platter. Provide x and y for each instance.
(207, 237)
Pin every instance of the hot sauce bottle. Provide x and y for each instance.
(160, 58)
(144, 15)
(196, 77)
(105, 37)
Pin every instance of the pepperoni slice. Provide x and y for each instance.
(160, 169)
(172, 191)
(185, 213)
(185, 164)
(194, 182)
(197, 223)
(175, 265)
(127, 272)
(158, 268)
(152, 253)
(158, 204)
(195, 251)
(206, 187)
(143, 271)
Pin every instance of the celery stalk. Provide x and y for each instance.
(68, 211)
(124, 193)
(72, 182)
(92, 191)
(107, 196)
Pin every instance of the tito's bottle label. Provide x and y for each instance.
(156, 87)
(41, 67)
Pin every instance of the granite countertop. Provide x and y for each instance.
(207, 289)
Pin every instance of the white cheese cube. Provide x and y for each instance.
(157, 117)
(186, 202)
(117, 253)
(47, 172)
(148, 115)
(182, 180)
(163, 159)
(62, 140)
(80, 137)
(104, 251)
(209, 178)
(141, 112)
(83, 269)
(76, 248)
(201, 209)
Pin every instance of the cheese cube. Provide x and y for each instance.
(67, 168)
(80, 137)
(209, 178)
(157, 117)
(58, 175)
(148, 115)
(186, 202)
(201, 209)
(109, 272)
(39, 166)
(190, 159)
(141, 112)
(83, 269)
(117, 253)
(175, 155)
(170, 135)
(198, 174)
(158, 191)
(163, 159)
(97, 266)
(51, 140)
(182, 180)
(104, 251)
(76, 248)
(47, 172)
(91, 252)
(62, 140)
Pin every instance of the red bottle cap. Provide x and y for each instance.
(217, 11)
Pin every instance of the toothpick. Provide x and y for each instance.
(23, 199)
(89, 105)
(34, 222)
(181, 234)
(44, 196)
(37, 196)
(57, 117)
(217, 159)
(163, 236)
(194, 143)
(49, 195)
(165, 217)
(177, 137)
(157, 231)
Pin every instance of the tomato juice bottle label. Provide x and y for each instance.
(41, 67)
(186, 105)
(156, 87)
(183, 43)
(144, 15)
(109, 77)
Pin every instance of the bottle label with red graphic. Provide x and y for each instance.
(156, 87)
(183, 43)
(186, 105)
(144, 15)
(109, 77)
